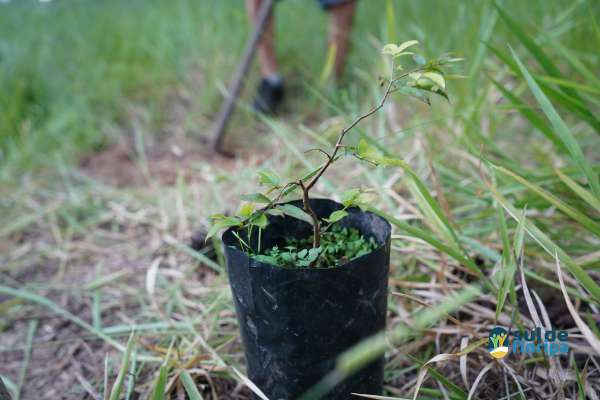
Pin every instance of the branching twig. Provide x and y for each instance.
(313, 215)
(389, 89)
(321, 151)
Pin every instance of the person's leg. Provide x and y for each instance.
(340, 27)
(266, 46)
(270, 92)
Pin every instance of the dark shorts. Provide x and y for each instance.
(326, 4)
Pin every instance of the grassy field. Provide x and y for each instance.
(104, 178)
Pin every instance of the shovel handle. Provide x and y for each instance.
(237, 83)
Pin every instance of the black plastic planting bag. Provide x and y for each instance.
(296, 322)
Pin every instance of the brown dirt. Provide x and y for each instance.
(119, 165)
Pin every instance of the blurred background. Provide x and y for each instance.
(107, 180)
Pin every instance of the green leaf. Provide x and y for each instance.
(390, 49)
(397, 50)
(560, 127)
(274, 212)
(268, 177)
(416, 93)
(295, 212)
(266, 259)
(246, 210)
(217, 216)
(312, 173)
(366, 150)
(357, 197)
(313, 254)
(290, 189)
(260, 220)
(436, 78)
(428, 82)
(221, 224)
(349, 197)
(405, 45)
(256, 198)
(336, 216)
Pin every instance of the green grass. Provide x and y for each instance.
(497, 186)
(71, 89)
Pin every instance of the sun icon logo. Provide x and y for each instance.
(497, 341)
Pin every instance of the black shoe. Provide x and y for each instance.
(269, 97)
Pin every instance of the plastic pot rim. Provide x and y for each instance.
(231, 241)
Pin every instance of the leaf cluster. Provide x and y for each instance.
(338, 246)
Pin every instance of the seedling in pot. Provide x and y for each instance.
(328, 243)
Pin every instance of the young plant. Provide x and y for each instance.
(425, 78)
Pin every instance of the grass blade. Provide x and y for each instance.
(423, 235)
(375, 397)
(508, 264)
(428, 205)
(255, 389)
(161, 383)
(549, 246)
(190, 386)
(535, 50)
(28, 347)
(530, 115)
(390, 19)
(579, 190)
(115, 392)
(560, 127)
(575, 214)
(34, 298)
(373, 347)
(570, 84)
(6, 386)
(576, 63)
(585, 330)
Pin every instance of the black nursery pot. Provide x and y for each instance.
(296, 322)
